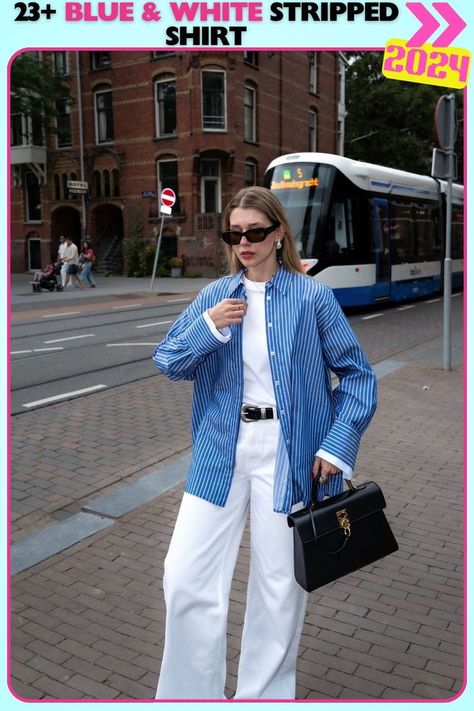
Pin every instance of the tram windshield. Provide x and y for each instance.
(305, 190)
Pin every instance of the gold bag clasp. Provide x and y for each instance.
(344, 521)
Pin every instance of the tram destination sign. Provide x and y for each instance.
(78, 187)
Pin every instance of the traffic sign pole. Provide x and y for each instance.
(168, 199)
(445, 125)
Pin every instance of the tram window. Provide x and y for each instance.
(339, 237)
(403, 233)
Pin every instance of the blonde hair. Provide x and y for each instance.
(265, 201)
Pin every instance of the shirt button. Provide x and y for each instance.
(288, 441)
(277, 382)
(268, 298)
(269, 325)
(272, 354)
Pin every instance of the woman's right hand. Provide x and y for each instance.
(228, 312)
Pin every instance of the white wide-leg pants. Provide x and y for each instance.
(198, 575)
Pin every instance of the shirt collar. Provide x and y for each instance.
(280, 280)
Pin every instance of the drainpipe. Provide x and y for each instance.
(81, 143)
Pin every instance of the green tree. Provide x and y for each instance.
(391, 122)
(36, 89)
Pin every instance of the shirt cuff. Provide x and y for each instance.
(347, 471)
(222, 335)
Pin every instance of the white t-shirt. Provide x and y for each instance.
(258, 383)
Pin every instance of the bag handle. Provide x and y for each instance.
(314, 488)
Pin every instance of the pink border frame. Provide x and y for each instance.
(465, 541)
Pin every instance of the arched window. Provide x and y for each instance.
(250, 112)
(165, 107)
(106, 177)
(115, 183)
(104, 118)
(64, 190)
(56, 187)
(96, 184)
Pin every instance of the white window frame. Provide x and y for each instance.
(163, 79)
(250, 131)
(216, 179)
(102, 64)
(253, 166)
(68, 105)
(214, 70)
(158, 178)
(313, 73)
(98, 93)
(312, 131)
(61, 63)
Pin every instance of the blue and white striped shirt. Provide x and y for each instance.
(308, 337)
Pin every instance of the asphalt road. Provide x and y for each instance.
(72, 351)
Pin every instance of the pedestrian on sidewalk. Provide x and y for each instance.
(88, 260)
(62, 248)
(260, 345)
(71, 258)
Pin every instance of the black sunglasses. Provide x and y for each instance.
(256, 234)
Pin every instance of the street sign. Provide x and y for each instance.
(148, 194)
(168, 197)
(441, 164)
(78, 187)
(445, 122)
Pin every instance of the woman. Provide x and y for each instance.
(260, 346)
(88, 259)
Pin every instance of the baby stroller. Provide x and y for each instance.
(47, 279)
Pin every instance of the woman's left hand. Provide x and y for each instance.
(326, 469)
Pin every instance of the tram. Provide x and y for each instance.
(369, 232)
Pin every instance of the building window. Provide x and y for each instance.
(115, 183)
(250, 173)
(104, 120)
(61, 63)
(168, 178)
(160, 55)
(250, 113)
(106, 176)
(56, 187)
(26, 131)
(213, 100)
(312, 131)
(96, 184)
(313, 73)
(16, 130)
(32, 198)
(251, 58)
(166, 106)
(210, 185)
(100, 60)
(63, 123)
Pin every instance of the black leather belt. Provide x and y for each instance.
(252, 413)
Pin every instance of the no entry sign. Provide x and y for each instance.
(168, 197)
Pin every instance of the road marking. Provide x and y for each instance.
(366, 318)
(19, 352)
(42, 350)
(175, 301)
(454, 295)
(158, 323)
(71, 338)
(405, 308)
(113, 345)
(432, 301)
(63, 396)
(64, 313)
(127, 306)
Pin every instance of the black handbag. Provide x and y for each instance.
(340, 535)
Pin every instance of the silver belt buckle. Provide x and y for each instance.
(243, 414)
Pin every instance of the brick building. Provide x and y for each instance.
(203, 123)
